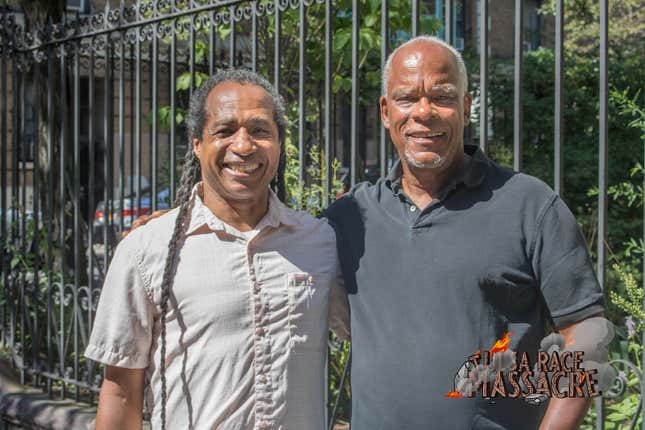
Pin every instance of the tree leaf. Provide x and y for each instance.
(370, 20)
(341, 38)
(336, 83)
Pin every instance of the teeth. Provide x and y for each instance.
(427, 135)
(244, 168)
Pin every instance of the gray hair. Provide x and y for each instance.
(461, 66)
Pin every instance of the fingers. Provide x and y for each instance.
(157, 214)
(142, 220)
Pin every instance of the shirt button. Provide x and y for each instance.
(413, 208)
(264, 425)
(259, 331)
(262, 379)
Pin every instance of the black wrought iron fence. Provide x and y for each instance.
(91, 128)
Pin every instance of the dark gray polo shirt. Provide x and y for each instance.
(498, 251)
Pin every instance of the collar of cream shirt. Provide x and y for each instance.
(277, 214)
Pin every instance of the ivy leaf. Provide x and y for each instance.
(180, 115)
(163, 117)
(183, 81)
(200, 50)
(200, 78)
(223, 31)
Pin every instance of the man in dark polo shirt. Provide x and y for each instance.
(445, 256)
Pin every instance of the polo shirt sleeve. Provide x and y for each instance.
(563, 266)
(122, 331)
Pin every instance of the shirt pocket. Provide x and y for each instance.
(308, 307)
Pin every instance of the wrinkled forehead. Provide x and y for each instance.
(421, 61)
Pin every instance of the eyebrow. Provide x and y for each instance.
(231, 121)
(260, 122)
(445, 87)
(224, 122)
(449, 88)
(403, 92)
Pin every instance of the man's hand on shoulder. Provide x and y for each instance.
(143, 220)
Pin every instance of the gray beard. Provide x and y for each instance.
(435, 164)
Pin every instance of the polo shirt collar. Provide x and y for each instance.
(471, 175)
(278, 214)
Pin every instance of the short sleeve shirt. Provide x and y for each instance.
(498, 251)
(246, 323)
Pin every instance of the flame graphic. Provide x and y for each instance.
(582, 378)
(502, 344)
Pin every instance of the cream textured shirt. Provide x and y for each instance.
(247, 320)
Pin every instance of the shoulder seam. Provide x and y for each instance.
(143, 275)
(538, 220)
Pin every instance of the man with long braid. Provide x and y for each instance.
(223, 302)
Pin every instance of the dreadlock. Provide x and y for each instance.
(191, 175)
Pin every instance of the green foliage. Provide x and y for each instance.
(626, 294)
(310, 197)
(626, 26)
(163, 117)
(631, 302)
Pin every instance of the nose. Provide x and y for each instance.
(242, 143)
(423, 109)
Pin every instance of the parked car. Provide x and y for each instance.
(129, 213)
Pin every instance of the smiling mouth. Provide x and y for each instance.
(424, 135)
(242, 168)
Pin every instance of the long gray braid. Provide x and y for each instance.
(192, 174)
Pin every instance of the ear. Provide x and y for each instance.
(467, 102)
(384, 118)
(197, 146)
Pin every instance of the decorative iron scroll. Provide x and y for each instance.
(620, 383)
(140, 22)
